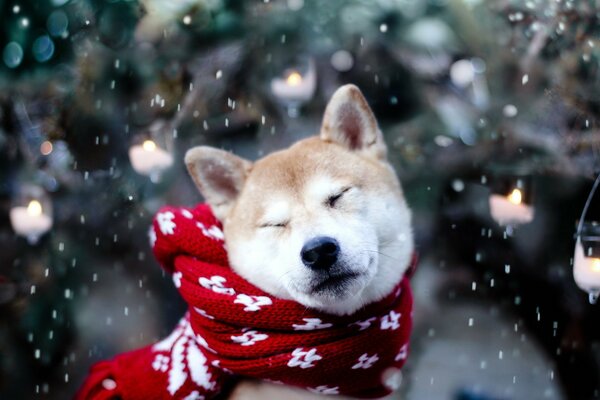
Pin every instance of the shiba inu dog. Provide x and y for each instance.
(323, 222)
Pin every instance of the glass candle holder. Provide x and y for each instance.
(151, 153)
(295, 86)
(510, 201)
(586, 260)
(31, 213)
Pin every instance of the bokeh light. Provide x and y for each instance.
(12, 55)
(43, 48)
(57, 23)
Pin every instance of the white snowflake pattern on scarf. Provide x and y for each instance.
(179, 356)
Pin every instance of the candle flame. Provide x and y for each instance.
(596, 265)
(294, 79)
(515, 196)
(34, 208)
(149, 145)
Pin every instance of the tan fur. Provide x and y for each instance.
(219, 176)
(269, 209)
(348, 104)
(287, 172)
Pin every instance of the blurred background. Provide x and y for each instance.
(491, 110)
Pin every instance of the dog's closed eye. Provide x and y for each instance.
(333, 199)
(273, 225)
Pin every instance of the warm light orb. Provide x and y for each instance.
(34, 208)
(596, 265)
(149, 145)
(515, 196)
(294, 79)
(46, 147)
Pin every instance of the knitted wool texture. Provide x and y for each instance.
(234, 329)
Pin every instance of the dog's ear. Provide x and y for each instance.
(219, 176)
(349, 121)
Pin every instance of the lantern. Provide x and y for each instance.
(586, 260)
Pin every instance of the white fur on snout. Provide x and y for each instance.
(358, 255)
(346, 222)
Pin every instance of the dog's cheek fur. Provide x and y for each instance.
(392, 219)
(265, 259)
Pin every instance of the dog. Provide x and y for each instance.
(323, 222)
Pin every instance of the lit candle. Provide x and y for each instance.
(31, 221)
(149, 159)
(586, 271)
(294, 87)
(510, 210)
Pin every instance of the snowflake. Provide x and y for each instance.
(165, 222)
(311, 324)
(160, 363)
(249, 338)
(403, 353)
(324, 389)
(398, 292)
(194, 396)
(202, 342)
(217, 364)
(213, 232)
(365, 362)
(216, 284)
(203, 313)
(181, 358)
(252, 303)
(391, 321)
(177, 279)
(362, 325)
(304, 359)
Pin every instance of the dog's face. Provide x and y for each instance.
(323, 222)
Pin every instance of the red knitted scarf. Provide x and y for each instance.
(233, 328)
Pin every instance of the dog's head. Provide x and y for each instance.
(323, 222)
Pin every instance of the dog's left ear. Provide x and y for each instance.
(219, 176)
(349, 121)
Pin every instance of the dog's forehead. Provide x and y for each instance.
(285, 177)
(306, 173)
(280, 204)
(320, 186)
(295, 167)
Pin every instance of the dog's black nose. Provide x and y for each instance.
(320, 253)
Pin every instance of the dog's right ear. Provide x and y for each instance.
(219, 176)
(350, 122)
